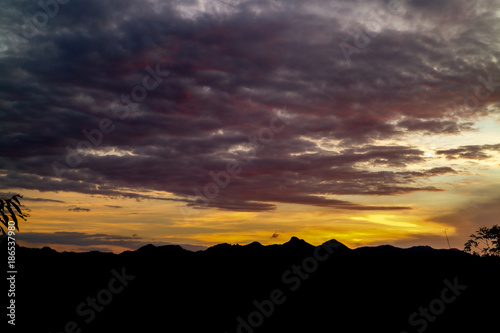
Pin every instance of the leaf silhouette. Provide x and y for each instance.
(7, 207)
(12, 215)
(14, 197)
(17, 208)
(5, 219)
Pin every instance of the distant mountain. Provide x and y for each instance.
(293, 287)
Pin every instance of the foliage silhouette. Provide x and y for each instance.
(7, 207)
(368, 289)
(489, 238)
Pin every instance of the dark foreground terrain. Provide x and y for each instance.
(293, 287)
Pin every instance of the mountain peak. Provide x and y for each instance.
(335, 244)
(148, 247)
(297, 243)
(294, 240)
(254, 245)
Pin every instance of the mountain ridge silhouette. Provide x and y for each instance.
(217, 289)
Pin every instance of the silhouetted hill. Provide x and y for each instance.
(294, 287)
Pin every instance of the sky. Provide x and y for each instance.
(200, 122)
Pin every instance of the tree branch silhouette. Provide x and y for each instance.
(483, 237)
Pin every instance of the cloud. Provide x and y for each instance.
(25, 198)
(90, 242)
(232, 69)
(42, 200)
(440, 171)
(473, 152)
(435, 126)
(111, 206)
(471, 216)
(79, 209)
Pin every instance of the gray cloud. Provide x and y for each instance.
(474, 152)
(79, 209)
(435, 126)
(42, 200)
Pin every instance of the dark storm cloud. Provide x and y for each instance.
(230, 70)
